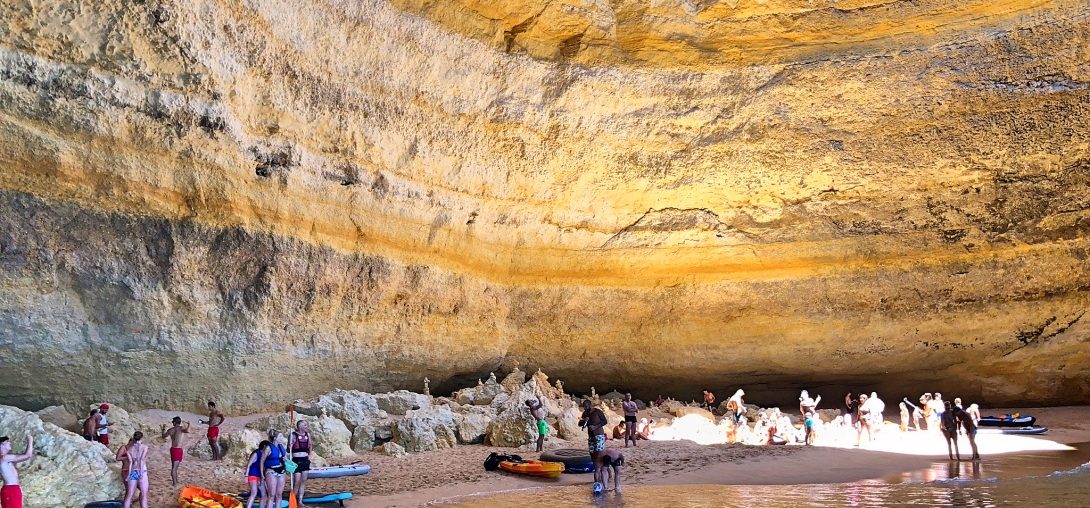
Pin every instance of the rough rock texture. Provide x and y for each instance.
(427, 429)
(61, 417)
(401, 402)
(66, 470)
(472, 428)
(276, 198)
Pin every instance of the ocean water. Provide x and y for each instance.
(1041, 479)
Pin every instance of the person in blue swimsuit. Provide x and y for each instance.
(254, 476)
(272, 470)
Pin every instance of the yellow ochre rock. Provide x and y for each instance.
(258, 202)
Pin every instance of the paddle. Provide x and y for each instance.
(292, 503)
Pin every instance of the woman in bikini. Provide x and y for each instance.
(138, 471)
(253, 475)
(272, 470)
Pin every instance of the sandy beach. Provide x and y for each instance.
(422, 478)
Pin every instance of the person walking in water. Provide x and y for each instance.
(630, 409)
(11, 494)
(176, 445)
(138, 472)
(215, 419)
(272, 470)
(299, 444)
(949, 428)
(537, 410)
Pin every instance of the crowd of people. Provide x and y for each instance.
(281, 455)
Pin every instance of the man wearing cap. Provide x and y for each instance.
(102, 426)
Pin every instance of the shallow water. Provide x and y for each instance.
(1043, 479)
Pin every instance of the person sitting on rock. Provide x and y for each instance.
(11, 494)
(643, 430)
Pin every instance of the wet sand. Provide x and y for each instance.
(421, 478)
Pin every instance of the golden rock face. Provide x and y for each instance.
(274, 198)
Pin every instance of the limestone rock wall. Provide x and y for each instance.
(258, 201)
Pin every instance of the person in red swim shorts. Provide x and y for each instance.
(102, 427)
(215, 419)
(11, 495)
(176, 452)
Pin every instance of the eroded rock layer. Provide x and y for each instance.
(259, 201)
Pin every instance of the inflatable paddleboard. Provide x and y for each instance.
(339, 471)
(995, 421)
(1023, 431)
(339, 498)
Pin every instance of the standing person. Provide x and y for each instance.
(299, 444)
(537, 410)
(737, 406)
(809, 424)
(253, 475)
(807, 404)
(966, 421)
(215, 419)
(612, 460)
(877, 410)
(974, 412)
(950, 431)
(11, 494)
(904, 415)
(89, 429)
(852, 405)
(630, 409)
(176, 451)
(138, 471)
(937, 409)
(122, 456)
(595, 422)
(709, 400)
(272, 470)
(102, 427)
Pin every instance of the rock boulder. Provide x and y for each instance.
(427, 429)
(401, 402)
(66, 470)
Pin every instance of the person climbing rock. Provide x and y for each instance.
(11, 494)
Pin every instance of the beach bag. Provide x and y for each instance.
(492, 463)
(289, 465)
